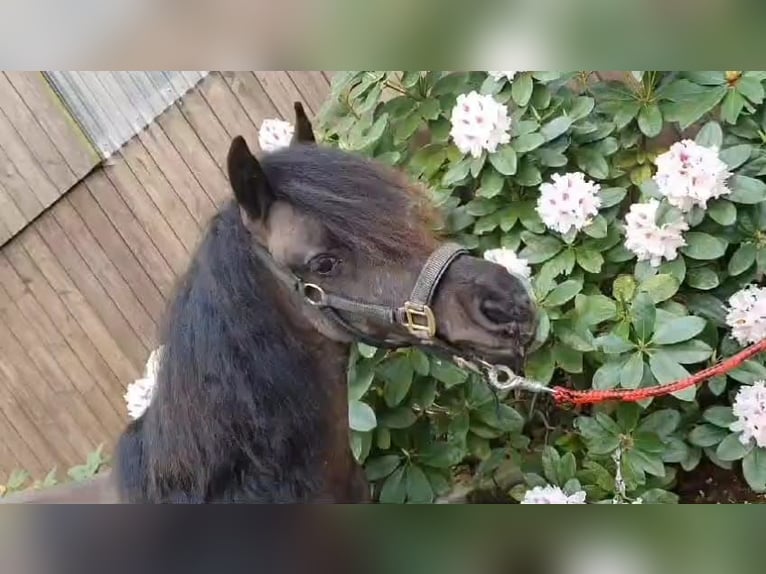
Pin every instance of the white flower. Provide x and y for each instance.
(750, 409)
(497, 76)
(747, 314)
(552, 495)
(275, 134)
(570, 202)
(479, 123)
(139, 393)
(649, 241)
(508, 259)
(689, 175)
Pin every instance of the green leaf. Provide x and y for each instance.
(703, 246)
(592, 162)
(642, 315)
(660, 287)
(539, 248)
(563, 293)
(504, 160)
(751, 88)
(702, 278)
(614, 345)
(594, 309)
(711, 135)
(666, 370)
(550, 459)
(732, 107)
(556, 127)
(381, 466)
(754, 469)
(607, 376)
(693, 351)
(491, 184)
(678, 330)
(360, 377)
(441, 455)
(611, 196)
(361, 417)
(742, 259)
(540, 365)
(457, 173)
(661, 423)
(736, 155)
(632, 372)
(527, 142)
(500, 416)
(624, 288)
(708, 307)
(521, 89)
(394, 489)
(590, 260)
(447, 373)
(398, 374)
(720, 416)
(650, 120)
(746, 190)
(581, 107)
(731, 448)
(399, 418)
(596, 228)
(418, 487)
(567, 468)
(706, 435)
(690, 101)
(419, 361)
(722, 211)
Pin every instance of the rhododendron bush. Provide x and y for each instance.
(637, 208)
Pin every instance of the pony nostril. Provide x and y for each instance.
(499, 312)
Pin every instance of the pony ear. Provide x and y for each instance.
(304, 133)
(251, 188)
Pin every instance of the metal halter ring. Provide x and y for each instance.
(419, 320)
(314, 294)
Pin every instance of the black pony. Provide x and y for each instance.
(251, 402)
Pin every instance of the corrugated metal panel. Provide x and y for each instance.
(112, 107)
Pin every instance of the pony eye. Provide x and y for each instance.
(324, 264)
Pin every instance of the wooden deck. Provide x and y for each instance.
(82, 287)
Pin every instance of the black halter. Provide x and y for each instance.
(416, 314)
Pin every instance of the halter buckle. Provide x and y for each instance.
(314, 294)
(419, 320)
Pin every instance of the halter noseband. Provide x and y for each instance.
(416, 315)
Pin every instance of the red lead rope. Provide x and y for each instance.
(568, 396)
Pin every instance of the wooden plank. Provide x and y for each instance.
(177, 173)
(123, 220)
(11, 219)
(99, 376)
(90, 288)
(26, 406)
(107, 272)
(281, 90)
(210, 132)
(51, 412)
(228, 109)
(136, 197)
(313, 87)
(170, 205)
(41, 351)
(117, 250)
(253, 99)
(205, 169)
(17, 189)
(28, 128)
(26, 163)
(55, 121)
